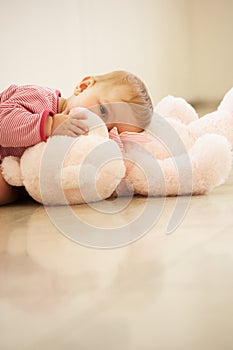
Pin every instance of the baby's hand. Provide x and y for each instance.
(70, 125)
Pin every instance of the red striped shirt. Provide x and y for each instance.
(23, 112)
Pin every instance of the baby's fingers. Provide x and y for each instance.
(78, 124)
(77, 131)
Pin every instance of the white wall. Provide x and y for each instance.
(212, 47)
(39, 41)
(149, 38)
(166, 42)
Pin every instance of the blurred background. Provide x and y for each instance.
(178, 47)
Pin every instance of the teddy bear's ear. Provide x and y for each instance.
(227, 102)
(177, 108)
(10, 168)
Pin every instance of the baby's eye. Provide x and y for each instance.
(103, 110)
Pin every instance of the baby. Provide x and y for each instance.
(30, 114)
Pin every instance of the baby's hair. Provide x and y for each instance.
(137, 95)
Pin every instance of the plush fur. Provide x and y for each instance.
(179, 154)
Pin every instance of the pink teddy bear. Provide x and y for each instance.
(193, 154)
(179, 154)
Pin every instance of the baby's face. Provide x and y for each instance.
(107, 103)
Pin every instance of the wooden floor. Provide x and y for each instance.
(163, 292)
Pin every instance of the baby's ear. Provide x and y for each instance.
(86, 82)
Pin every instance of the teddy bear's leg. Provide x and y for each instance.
(219, 122)
(81, 178)
(93, 183)
(177, 108)
(211, 160)
(206, 165)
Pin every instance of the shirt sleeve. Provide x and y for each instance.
(21, 128)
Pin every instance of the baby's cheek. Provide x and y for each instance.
(128, 127)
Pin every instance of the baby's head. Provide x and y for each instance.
(120, 98)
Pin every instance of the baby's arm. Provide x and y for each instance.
(62, 124)
(20, 127)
